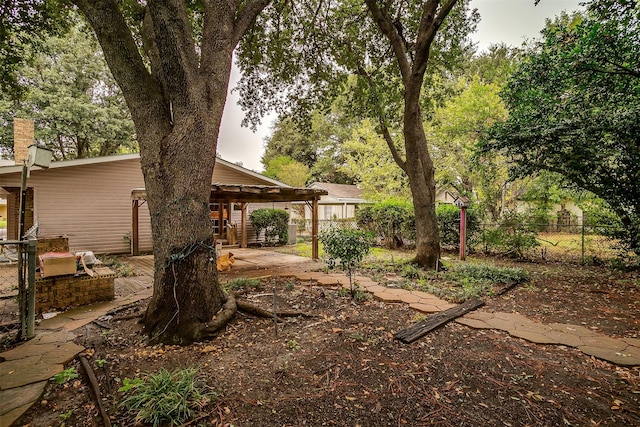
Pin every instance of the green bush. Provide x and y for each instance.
(241, 284)
(166, 397)
(391, 220)
(274, 223)
(513, 236)
(449, 225)
(347, 247)
(503, 275)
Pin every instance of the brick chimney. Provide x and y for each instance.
(22, 139)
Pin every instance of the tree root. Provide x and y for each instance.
(247, 307)
(233, 305)
(222, 318)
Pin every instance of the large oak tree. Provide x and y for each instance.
(172, 59)
(394, 48)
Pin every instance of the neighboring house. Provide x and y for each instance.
(90, 201)
(561, 214)
(341, 202)
(566, 213)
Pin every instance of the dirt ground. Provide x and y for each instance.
(342, 367)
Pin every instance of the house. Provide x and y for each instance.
(90, 201)
(561, 214)
(340, 202)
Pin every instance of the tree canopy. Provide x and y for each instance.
(68, 90)
(574, 107)
(24, 25)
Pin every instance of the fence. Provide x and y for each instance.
(548, 241)
(304, 225)
(554, 242)
(17, 286)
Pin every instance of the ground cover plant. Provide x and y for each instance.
(343, 367)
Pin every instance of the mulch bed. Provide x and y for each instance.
(343, 366)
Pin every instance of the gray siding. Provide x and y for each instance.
(90, 204)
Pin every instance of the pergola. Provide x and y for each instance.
(225, 194)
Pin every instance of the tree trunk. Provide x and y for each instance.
(176, 99)
(421, 173)
(186, 290)
(177, 171)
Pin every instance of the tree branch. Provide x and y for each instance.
(176, 49)
(141, 91)
(385, 23)
(246, 17)
(430, 23)
(384, 130)
(620, 69)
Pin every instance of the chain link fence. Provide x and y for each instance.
(553, 242)
(17, 287)
(556, 242)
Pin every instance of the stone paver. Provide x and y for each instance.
(15, 398)
(27, 368)
(620, 351)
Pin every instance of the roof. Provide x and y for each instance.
(13, 168)
(341, 192)
(251, 193)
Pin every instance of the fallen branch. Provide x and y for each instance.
(95, 388)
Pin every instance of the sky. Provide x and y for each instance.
(508, 21)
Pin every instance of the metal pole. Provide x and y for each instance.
(583, 238)
(31, 303)
(23, 200)
(22, 291)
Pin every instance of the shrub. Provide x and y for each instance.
(241, 283)
(348, 247)
(166, 397)
(274, 223)
(391, 220)
(513, 236)
(449, 224)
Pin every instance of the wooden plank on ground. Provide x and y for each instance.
(420, 329)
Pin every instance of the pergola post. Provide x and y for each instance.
(134, 228)
(243, 225)
(314, 230)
